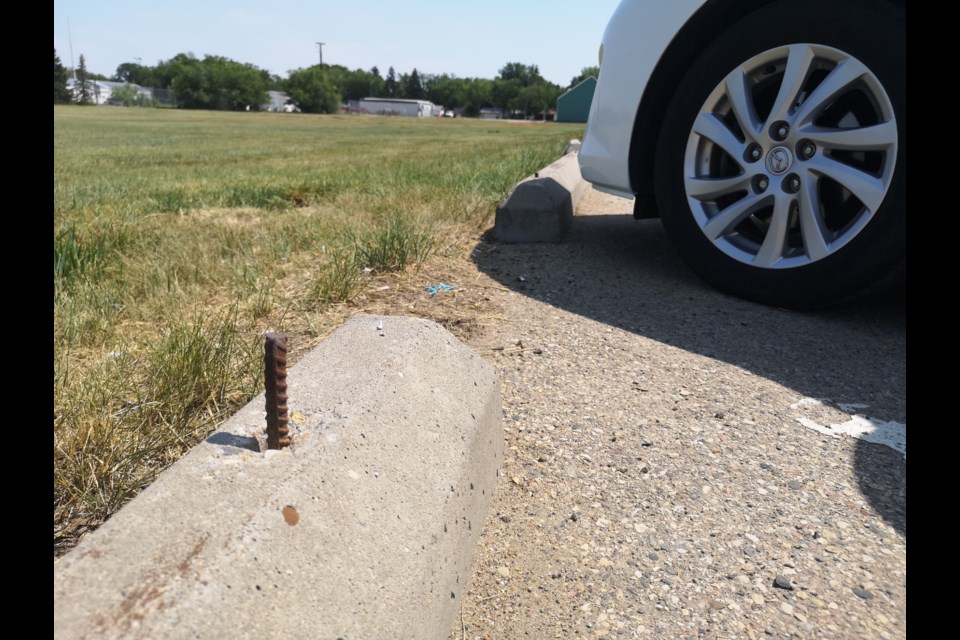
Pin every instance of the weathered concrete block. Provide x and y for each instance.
(537, 210)
(540, 208)
(364, 528)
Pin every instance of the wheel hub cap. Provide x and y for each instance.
(779, 160)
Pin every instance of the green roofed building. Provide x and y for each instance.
(574, 105)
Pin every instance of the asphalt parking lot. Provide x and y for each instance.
(681, 463)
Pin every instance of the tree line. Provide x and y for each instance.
(219, 83)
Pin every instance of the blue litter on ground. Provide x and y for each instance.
(436, 288)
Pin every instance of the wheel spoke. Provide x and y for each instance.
(877, 137)
(866, 188)
(711, 188)
(738, 91)
(712, 128)
(811, 221)
(799, 58)
(773, 243)
(835, 83)
(725, 221)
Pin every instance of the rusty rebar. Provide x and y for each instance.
(275, 381)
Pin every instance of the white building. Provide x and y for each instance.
(101, 91)
(398, 107)
(279, 101)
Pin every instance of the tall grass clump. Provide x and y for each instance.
(136, 411)
(393, 246)
(340, 280)
(181, 237)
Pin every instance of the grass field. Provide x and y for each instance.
(180, 237)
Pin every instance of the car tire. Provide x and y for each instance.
(781, 162)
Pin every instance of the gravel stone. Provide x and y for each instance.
(782, 583)
(863, 593)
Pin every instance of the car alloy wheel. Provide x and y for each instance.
(780, 172)
(790, 156)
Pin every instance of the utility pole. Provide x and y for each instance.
(320, 47)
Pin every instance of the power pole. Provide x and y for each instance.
(320, 47)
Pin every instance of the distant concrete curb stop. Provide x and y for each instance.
(540, 208)
(365, 527)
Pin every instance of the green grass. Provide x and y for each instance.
(180, 237)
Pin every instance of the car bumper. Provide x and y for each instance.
(635, 38)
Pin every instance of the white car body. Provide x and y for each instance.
(768, 136)
(635, 38)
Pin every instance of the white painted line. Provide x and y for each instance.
(886, 432)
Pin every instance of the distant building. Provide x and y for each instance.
(101, 92)
(574, 105)
(491, 113)
(278, 101)
(398, 107)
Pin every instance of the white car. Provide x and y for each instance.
(768, 135)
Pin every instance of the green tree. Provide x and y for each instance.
(165, 70)
(585, 73)
(526, 75)
(217, 83)
(312, 91)
(84, 90)
(359, 84)
(129, 96)
(520, 90)
(504, 93)
(60, 91)
(477, 93)
(390, 88)
(413, 88)
(273, 81)
(536, 99)
(135, 74)
(445, 90)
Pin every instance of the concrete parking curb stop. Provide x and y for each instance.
(540, 207)
(364, 528)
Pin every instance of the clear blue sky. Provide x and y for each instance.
(466, 38)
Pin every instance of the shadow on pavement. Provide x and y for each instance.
(625, 273)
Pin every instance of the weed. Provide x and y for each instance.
(393, 246)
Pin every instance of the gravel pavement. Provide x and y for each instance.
(678, 461)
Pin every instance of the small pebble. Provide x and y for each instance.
(782, 583)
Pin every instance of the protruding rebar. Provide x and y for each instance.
(275, 381)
